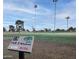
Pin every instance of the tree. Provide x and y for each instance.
(74, 29)
(60, 30)
(41, 30)
(4, 29)
(27, 30)
(57, 29)
(34, 30)
(19, 25)
(70, 29)
(23, 29)
(11, 28)
(47, 30)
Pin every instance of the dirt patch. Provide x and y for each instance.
(44, 50)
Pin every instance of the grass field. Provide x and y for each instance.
(58, 45)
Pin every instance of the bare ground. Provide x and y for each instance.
(44, 50)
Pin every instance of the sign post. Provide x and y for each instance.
(21, 55)
(21, 44)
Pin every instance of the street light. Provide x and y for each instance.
(35, 6)
(54, 1)
(67, 21)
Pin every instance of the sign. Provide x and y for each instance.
(22, 43)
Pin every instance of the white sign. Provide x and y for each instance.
(22, 43)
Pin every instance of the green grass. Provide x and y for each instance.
(58, 37)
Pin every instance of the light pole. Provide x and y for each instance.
(35, 6)
(54, 1)
(67, 18)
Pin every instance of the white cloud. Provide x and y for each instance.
(39, 11)
(67, 10)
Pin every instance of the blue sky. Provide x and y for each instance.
(24, 10)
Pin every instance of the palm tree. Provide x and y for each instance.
(46, 29)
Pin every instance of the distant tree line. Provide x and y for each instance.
(12, 29)
(20, 27)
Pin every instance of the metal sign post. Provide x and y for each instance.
(22, 44)
(21, 55)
